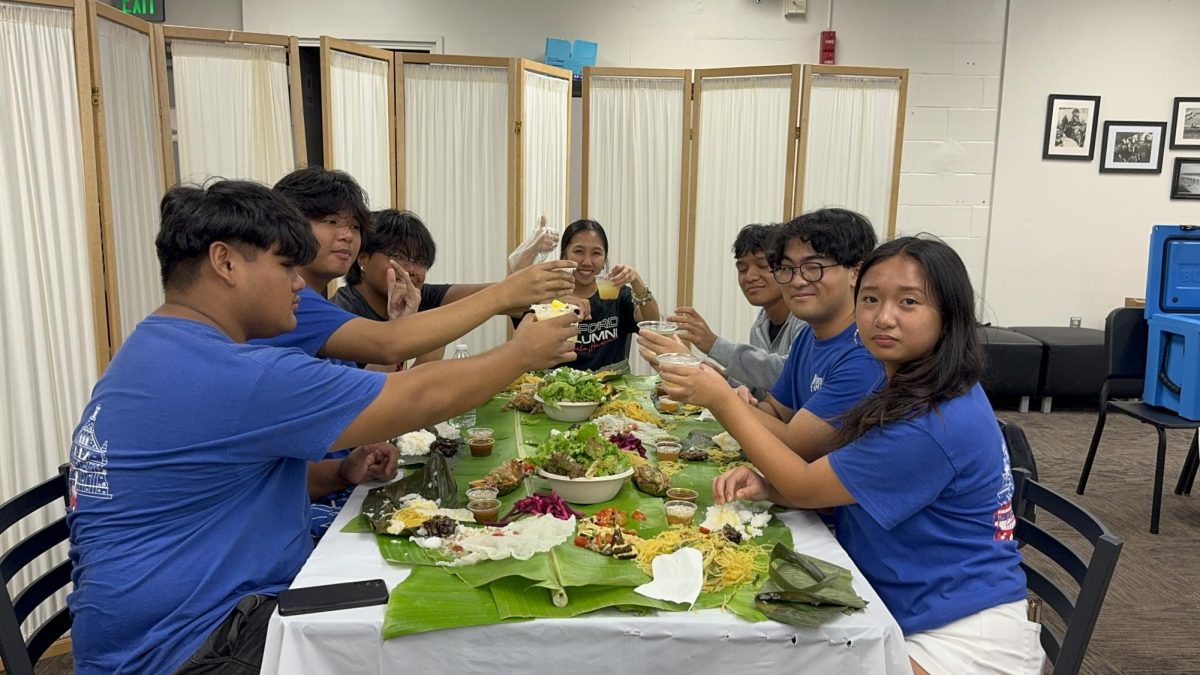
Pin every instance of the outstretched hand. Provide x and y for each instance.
(404, 297)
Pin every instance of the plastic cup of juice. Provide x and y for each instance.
(487, 510)
(553, 309)
(679, 512)
(607, 289)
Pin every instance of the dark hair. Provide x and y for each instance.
(957, 360)
(319, 192)
(843, 235)
(752, 239)
(242, 213)
(395, 230)
(582, 226)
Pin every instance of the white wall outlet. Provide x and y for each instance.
(795, 7)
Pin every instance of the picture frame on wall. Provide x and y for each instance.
(1133, 147)
(1071, 127)
(1185, 123)
(1185, 181)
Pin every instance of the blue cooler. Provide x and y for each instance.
(1173, 315)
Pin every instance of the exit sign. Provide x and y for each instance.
(148, 10)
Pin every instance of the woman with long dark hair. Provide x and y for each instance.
(920, 478)
(618, 301)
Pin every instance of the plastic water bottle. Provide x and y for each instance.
(466, 420)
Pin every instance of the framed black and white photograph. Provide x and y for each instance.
(1135, 147)
(1071, 127)
(1185, 182)
(1185, 123)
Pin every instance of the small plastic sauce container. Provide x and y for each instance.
(476, 494)
(667, 451)
(486, 511)
(668, 405)
(481, 440)
(679, 512)
(682, 495)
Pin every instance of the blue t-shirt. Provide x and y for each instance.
(932, 530)
(827, 377)
(317, 319)
(188, 487)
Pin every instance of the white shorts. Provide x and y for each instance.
(997, 640)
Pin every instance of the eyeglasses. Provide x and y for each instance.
(403, 259)
(811, 272)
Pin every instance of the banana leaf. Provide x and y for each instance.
(515, 597)
(805, 591)
(430, 599)
(434, 480)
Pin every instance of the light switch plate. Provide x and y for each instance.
(795, 7)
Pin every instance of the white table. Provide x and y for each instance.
(606, 642)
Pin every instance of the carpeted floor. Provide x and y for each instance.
(1151, 618)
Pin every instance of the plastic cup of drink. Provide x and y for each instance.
(477, 494)
(480, 440)
(486, 510)
(679, 512)
(667, 451)
(607, 289)
(665, 328)
(548, 311)
(688, 360)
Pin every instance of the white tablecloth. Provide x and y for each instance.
(606, 642)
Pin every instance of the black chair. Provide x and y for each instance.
(1125, 336)
(1065, 651)
(18, 654)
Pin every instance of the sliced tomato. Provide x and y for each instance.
(638, 515)
(581, 541)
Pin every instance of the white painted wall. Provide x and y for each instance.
(1067, 240)
(952, 48)
(204, 13)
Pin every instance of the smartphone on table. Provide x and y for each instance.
(332, 596)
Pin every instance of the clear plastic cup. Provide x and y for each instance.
(667, 451)
(607, 289)
(487, 511)
(666, 328)
(477, 494)
(551, 310)
(679, 512)
(689, 360)
(480, 440)
(682, 495)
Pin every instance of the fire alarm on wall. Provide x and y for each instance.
(795, 7)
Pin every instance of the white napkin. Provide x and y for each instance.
(678, 577)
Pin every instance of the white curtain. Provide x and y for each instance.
(47, 340)
(360, 121)
(232, 110)
(851, 145)
(545, 134)
(134, 166)
(456, 174)
(745, 130)
(634, 177)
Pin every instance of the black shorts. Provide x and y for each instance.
(237, 645)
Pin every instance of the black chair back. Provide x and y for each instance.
(1125, 335)
(18, 654)
(1093, 575)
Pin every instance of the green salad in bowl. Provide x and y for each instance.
(580, 453)
(567, 385)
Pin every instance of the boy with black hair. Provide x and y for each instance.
(188, 505)
(757, 364)
(815, 259)
(336, 206)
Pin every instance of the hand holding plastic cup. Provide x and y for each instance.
(553, 309)
(686, 360)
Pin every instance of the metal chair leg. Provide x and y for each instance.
(1188, 475)
(1158, 478)
(1091, 456)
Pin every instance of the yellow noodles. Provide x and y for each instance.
(628, 409)
(725, 563)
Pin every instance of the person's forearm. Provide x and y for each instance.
(754, 367)
(647, 311)
(417, 334)
(324, 477)
(783, 469)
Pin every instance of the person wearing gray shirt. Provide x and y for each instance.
(759, 363)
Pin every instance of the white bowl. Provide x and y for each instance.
(567, 412)
(587, 490)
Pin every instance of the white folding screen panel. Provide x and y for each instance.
(456, 173)
(233, 112)
(635, 157)
(358, 122)
(851, 146)
(134, 168)
(743, 149)
(49, 340)
(545, 147)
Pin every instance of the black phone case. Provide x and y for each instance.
(332, 596)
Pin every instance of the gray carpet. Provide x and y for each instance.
(1151, 618)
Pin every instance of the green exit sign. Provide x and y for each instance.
(149, 10)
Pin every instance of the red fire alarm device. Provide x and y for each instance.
(828, 47)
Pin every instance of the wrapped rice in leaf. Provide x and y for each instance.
(805, 591)
(649, 479)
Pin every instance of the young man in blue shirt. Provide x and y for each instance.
(189, 509)
(815, 259)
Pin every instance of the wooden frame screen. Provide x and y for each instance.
(520, 67)
(332, 161)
